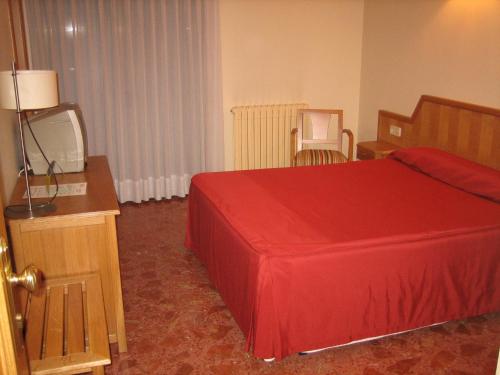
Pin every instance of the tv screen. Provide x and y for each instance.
(61, 134)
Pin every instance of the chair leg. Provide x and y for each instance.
(293, 146)
(351, 143)
(99, 370)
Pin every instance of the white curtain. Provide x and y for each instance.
(146, 74)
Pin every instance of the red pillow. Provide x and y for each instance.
(453, 170)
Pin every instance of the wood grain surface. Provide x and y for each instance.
(467, 130)
(78, 238)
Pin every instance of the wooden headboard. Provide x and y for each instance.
(463, 129)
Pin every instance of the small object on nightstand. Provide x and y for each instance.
(47, 191)
(374, 150)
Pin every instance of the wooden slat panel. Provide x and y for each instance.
(34, 325)
(474, 136)
(75, 332)
(73, 363)
(55, 323)
(428, 132)
(464, 129)
(98, 332)
(464, 123)
(118, 320)
(451, 146)
(443, 134)
(486, 137)
(83, 293)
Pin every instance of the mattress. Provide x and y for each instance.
(312, 257)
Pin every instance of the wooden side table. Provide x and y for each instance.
(78, 238)
(374, 150)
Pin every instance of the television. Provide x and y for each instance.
(61, 134)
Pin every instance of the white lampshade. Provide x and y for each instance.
(37, 89)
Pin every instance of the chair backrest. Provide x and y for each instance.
(320, 127)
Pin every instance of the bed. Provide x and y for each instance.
(312, 257)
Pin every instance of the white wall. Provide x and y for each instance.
(413, 47)
(290, 51)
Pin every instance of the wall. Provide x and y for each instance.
(285, 51)
(8, 139)
(437, 47)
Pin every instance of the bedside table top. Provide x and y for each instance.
(100, 197)
(378, 146)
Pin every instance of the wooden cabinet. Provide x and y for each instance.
(78, 238)
(374, 150)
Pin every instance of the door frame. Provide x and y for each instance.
(14, 361)
(12, 348)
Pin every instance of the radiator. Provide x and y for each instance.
(262, 135)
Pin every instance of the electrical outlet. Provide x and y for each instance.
(395, 131)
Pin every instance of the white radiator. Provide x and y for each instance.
(262, 135)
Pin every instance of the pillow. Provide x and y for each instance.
(453, 170)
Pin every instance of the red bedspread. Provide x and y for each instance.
(312, 257)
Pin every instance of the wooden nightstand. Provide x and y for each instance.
(374, 150)
(78, 238)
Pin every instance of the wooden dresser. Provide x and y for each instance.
(78, 238)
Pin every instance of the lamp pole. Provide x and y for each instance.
(21, 132)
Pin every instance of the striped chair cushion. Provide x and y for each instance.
(319, 157)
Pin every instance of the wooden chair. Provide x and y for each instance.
(319, 127)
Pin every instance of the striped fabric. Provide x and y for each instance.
(319, 157)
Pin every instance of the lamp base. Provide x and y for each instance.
(22, 211)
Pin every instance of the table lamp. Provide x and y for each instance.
(22, 90)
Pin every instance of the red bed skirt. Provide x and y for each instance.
(313, 257)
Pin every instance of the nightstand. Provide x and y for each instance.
(78, 238)
(374, 150)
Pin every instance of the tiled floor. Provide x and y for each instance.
(177, 323)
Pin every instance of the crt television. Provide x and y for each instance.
(61, 133)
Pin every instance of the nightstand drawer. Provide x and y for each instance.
(364, 154)
(374, 150)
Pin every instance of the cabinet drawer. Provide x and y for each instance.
(374, 150)
(364, 154)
